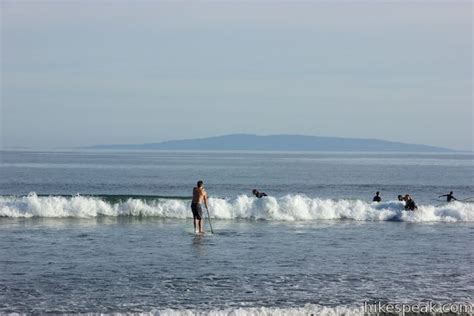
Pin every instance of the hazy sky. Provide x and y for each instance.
(82, 73)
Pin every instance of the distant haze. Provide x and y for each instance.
(80, 73)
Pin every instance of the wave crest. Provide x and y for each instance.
(308, 309)
(286, 208)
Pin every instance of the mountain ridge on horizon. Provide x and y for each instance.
(279, 142)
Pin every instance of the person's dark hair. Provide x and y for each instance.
(199, 183)
(254, 191)
(377, 193)
(451, 192)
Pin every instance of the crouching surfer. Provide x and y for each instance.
(199, 198)
(410, 204)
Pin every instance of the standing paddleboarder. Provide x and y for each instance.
(199, 197)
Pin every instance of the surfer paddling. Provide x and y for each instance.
(258, 194)
(199, 197)
(449, 197)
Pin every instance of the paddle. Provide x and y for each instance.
(209, 217)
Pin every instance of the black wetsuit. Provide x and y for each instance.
(377, 199)
(449, 197)
(260, 194)
(410, 205)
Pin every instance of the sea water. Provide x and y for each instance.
(111, 232)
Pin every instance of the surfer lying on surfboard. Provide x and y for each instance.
(258, 194)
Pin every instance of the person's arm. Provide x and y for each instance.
(205, 198)
(443, 195)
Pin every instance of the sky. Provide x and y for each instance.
(80, 73)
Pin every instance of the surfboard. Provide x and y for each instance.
(200, 234)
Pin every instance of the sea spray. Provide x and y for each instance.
(285, 208)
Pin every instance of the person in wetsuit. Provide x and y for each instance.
(410, 204)
(377, 197)
(449, 197)
(258, 194)
(199, 198)
(400, 198)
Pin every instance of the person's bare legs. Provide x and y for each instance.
(196, 225)
(201, 224)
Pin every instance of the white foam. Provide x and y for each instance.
(286, 208)
(309, 309)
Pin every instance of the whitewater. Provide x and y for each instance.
(285, 208)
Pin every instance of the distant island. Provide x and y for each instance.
(236, 142)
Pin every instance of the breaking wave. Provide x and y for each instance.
(309, 309)
(286, 208)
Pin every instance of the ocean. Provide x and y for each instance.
(84, 231)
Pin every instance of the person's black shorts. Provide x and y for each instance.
(197, 210)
